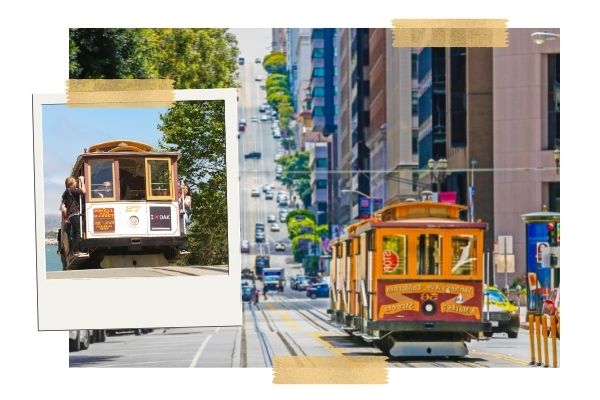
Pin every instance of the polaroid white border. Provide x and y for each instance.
(151, 302)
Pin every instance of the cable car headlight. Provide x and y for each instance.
(134, 221)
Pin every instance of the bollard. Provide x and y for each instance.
(553, 334)
(545, 336)
(538, 336)
(531, 335)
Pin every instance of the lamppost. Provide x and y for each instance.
(364, 195)
(556, 155)
(437, 169)
(540, 37)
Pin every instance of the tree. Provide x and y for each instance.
(107, 53)
(197, 130)
(295, 174)
(275, 98)
(275, 63)
(294, 213)
(301, 227)
(277, 79)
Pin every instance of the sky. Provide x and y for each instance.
(66, 131)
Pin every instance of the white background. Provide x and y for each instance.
(35, 60)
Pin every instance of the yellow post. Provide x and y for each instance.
(545, 336)
(531, 342)
(553, 333)
(538, 331)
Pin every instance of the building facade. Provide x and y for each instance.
(526, 123)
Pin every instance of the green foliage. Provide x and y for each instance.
(322, 230)
(292, 215)
(285, 111)
(194, 58)
(275, 63)
(275, 98)
(296, 174)
(296, 227)
(306, 237)
(107, 53)
(197, 130)
(277, 80)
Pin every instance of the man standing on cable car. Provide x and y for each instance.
(73, 199)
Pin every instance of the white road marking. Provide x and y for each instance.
(200, 350)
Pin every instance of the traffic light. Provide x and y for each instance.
(552, 234)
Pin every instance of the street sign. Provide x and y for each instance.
(504, 245)
(499, 260)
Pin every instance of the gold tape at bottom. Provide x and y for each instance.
(120, 92)
(329, 370)
(450, 33)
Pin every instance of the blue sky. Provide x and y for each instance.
(68, 130)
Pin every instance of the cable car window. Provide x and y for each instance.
(132, 177)
(429, 254)
(394, 255)
(101, 179)
(158, 176)
(464, 255)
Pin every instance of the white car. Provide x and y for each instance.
(263, 117)
(275, 228)
(255, 193)
(258, 78)
(271, 218)
(254, 118)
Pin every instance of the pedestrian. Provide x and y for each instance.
(72, 199)
(185, 205)
(255, 294)
(265, 293)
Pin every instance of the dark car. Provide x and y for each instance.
(503, 315)
(252, 154)
(319, 289)
(257, 60)
(247, 293)
(241, 60)
(241, 127)
(245, 246)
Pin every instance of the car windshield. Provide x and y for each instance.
(496, 296)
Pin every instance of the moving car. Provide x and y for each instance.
(253, 154)
(241, 60)
(279, 247)
(260, 236)
(242, 121)
(255, 193)
(271, 218)
(503, 315)
(257, 60)
(262, 109)
(245, 246)
(275, 227)
(282, 215)
(269, 195)
(254, 118)
(258, 78)
(247, 293)
(264, 118)
(267, 188)
(319, 289)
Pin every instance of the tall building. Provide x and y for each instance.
(299, 67)
(402, 123)
(319, 165)
(526, 123)
(376, 136)
(455, 123)
(353, 105)
(279, 39)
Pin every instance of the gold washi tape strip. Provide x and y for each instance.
(329, 370)
(450, 33)
(120, 92)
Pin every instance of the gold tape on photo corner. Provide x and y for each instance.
(450, 33)
(120, 93)
(338, 369)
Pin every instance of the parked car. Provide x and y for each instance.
(279, 246)
(79, 340)
(552, 307)
(266, 188)
(253, 154)
(245, 246)
(503, 315)
(283, 215)
(255, 193)
(271, 218)
(262, 109)
(319, 289)
(269, 195)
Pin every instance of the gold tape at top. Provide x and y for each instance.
(120, 92)
(450, 33)
(337, 369)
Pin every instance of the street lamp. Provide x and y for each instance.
(556, 155)
(437, 169)
(364, 195)
(540, 37)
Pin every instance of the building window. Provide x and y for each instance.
(318, 53)
(321, 183)
(554, 196)
(553, 101)
(318, 91)
(318, 72)
(429, 254)
(321, 162)
(458, 102)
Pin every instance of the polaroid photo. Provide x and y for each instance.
(136, 210)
